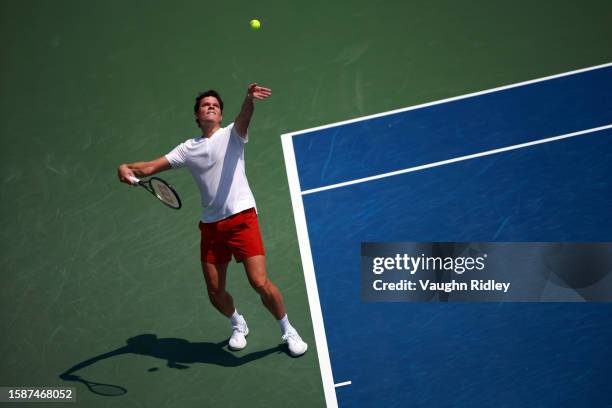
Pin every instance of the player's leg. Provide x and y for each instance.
(215, 276)
(246, 244)
(215, 257)
(255, 267)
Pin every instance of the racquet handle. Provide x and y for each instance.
(134, 180)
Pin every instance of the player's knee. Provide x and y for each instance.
(215, 293)
(261, 286)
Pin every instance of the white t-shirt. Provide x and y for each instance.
(217, 166)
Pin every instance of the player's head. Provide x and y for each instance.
(208, 107)
(142, 343)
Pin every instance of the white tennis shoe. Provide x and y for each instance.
(239, 332)
(294, 342)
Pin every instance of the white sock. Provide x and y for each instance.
(235, 318)
(285, 326)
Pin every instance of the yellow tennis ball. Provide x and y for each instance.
(255, 24)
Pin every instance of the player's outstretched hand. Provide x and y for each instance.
(125, 174)
(258, 92)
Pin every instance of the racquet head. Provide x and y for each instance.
(165, 193)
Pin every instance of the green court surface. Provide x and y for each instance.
(88, 263)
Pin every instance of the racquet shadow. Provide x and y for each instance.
(178, 354)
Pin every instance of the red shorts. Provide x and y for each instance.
(236, 235)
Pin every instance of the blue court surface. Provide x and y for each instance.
(522, 163)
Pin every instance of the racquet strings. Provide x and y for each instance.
(165, 193)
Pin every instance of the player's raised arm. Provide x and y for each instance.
(241, 123)
(142, 169)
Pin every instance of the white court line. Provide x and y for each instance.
(302, 230)
(309, 275)
(342, 384)
(457, 159)
(447, 100)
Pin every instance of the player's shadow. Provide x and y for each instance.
(178, 354)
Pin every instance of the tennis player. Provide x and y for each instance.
(229, 225)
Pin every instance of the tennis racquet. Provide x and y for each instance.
(107, 390)
(160, 189)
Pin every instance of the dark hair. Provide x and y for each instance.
(202, 95)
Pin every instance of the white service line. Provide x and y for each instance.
(452, 99)
(457, 159)
(342, 384)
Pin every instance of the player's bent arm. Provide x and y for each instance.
(142, 169)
